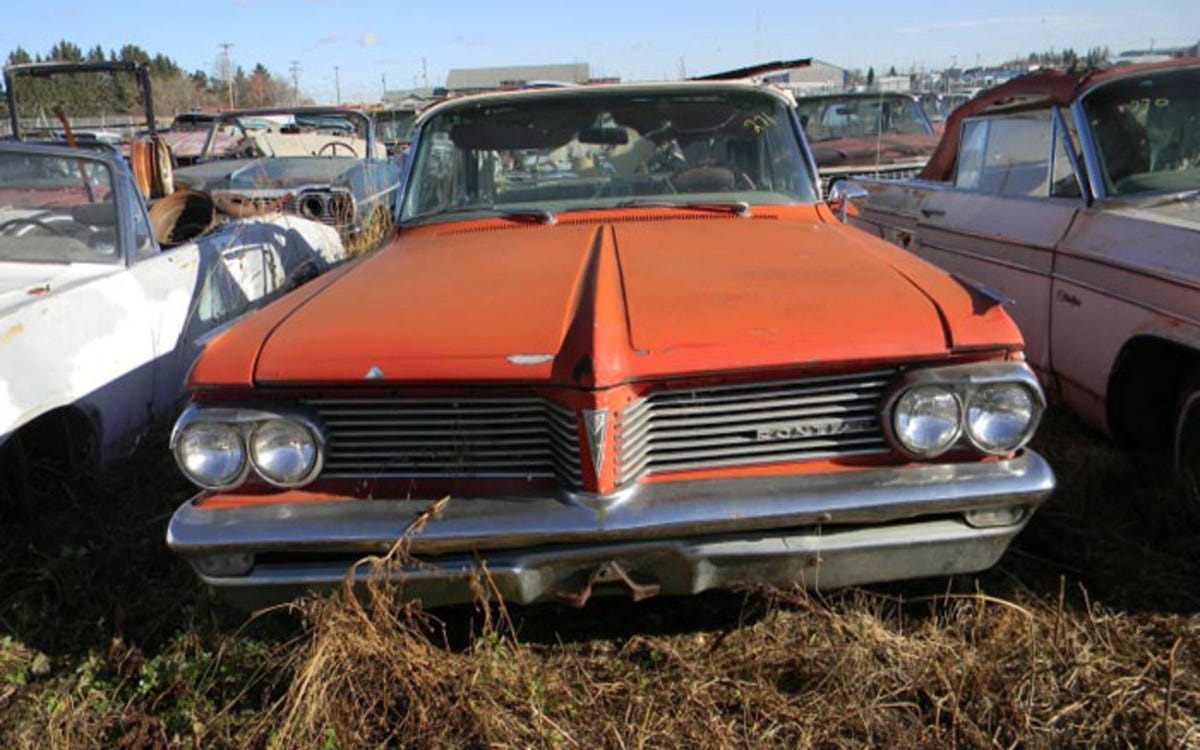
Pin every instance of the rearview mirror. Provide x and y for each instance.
(841, 194)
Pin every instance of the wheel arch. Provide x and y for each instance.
(1144, 388)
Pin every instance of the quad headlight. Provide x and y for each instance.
(217, 447)
(928, 419)
(211, 454)
(993, 407)
(284, 452)
(999, 417)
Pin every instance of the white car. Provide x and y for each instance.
(99, 323)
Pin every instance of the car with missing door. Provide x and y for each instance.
(619, 345)
(1076, 194)
(322, 163)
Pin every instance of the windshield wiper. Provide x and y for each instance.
(738, 208)
(539, 215)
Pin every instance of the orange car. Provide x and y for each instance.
(618, 330)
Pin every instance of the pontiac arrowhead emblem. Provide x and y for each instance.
(594, 423)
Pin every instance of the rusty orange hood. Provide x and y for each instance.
(597, 300)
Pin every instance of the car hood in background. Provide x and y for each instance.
(281, 172)
(850, 152)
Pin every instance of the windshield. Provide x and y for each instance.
(56, 210)
(828, 119)
(326, 134)
(603, 150)
(393, 126)
(1147, 131)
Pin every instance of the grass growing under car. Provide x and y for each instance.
(1086, 634)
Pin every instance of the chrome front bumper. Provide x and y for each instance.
(824, 531)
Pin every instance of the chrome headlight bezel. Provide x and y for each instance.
(956, 427)
(1027, 430)
(246, 421)
(273, 478)
(179, 442)
(964, 381)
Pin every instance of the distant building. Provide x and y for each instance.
(411, 98)
(816, 77)
(476, 80)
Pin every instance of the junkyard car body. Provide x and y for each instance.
(883, 134)
(1075, 195)
(618, 331)
(98, 324)
(322, 163)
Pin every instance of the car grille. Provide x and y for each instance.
(757, 423)
(449, 438)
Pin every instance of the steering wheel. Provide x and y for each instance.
(333, 147)
(31, 222)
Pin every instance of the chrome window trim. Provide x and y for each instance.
(1091, 156)
(1061, 131)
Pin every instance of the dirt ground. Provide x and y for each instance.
(1087, 634)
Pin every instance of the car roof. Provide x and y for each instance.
(93, 149)
(855, 95)
(499, 97)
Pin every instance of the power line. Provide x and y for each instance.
(225, 69)
(295, 69)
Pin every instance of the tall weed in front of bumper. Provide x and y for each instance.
(375, 669)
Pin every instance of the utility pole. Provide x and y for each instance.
(424, 74)
(225, 70)
(383, 86)
(295, 69)
(337, 84)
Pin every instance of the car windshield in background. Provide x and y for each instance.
(605, 150)
(1147, 131)
(828, 119)
(56, 210)
(392, 126)
(290, 134)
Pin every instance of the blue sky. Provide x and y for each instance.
(637, 39)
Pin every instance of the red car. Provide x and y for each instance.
(619, 331)
(879, 134)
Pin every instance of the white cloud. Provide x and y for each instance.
(369, 39)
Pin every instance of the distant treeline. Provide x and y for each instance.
(175, 90)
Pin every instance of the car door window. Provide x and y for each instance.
(1006, 155)
(143, 235)
(970, 154)
(1063, 180)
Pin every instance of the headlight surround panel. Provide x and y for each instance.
(996, 392)
(246, 424)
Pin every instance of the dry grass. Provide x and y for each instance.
(1087, 634)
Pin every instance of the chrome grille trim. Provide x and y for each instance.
(449, 438)
(719, 426)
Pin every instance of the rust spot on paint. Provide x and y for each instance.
(12, 333)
